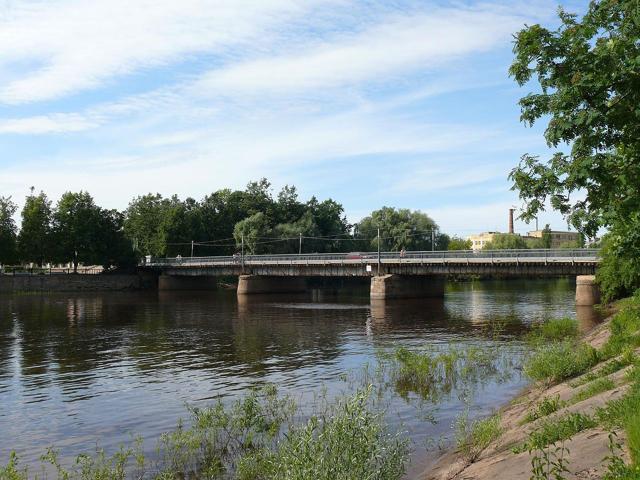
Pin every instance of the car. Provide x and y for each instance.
(359, 256)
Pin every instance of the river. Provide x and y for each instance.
(78, 370)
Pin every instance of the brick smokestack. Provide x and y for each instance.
(511, 220)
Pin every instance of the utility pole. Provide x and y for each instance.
(379, 262)
(433, 240)
(242, 255)
(300, 247)
(191, 248)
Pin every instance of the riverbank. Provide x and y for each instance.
(102, 282)
(580, 419)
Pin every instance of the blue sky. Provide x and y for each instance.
(398, 103)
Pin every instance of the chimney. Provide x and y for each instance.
(511, 220)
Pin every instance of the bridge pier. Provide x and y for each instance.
(406, 286)
(252, 284)
(587, 290)
(186, 282)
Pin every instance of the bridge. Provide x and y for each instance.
(393, 274)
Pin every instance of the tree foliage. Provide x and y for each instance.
(35, 240)
(506, 241)
(588, 76)
(78, 231)
(400, 229)
(85, 233)
(8, 230)
(457, 243)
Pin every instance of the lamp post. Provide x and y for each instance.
(300, 246)
(379, 261)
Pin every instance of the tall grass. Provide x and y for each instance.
(554, 330)
(561, 360)
(432, 373)
(254, 439)
(552, 431)
(472, 438)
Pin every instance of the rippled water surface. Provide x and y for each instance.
(76, 369)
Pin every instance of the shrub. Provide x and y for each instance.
(624, 327)
(558, 361)
(350, 442)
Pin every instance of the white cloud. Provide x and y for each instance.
(53, 123)
(65, 46)
(388, 49)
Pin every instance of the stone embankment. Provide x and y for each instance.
(74, 283)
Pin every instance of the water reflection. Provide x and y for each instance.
(76, 369)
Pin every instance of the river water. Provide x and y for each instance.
(78, 370)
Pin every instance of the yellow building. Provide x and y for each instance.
(480, 240)
(558, 238)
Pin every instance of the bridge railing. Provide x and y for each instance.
(526, 255)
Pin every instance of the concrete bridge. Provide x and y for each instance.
(393, 274)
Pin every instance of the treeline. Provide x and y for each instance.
(77, 231)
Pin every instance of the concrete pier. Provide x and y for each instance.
(186, 282)
(252, 284)
(401, 286)
(587, 290)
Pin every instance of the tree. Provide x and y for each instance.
(587, 71)
(543, 242)
(76, 229)
(400, 229)
(112, 247)
(457, 243)
(249, 231)
(8, 230)
(35, 240)
(505, 241)
(143, 221)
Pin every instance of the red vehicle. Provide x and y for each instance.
(357, 256)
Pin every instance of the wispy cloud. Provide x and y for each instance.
(65, 46)
(382, 52)
(51, 123)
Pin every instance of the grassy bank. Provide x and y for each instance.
(581, 418)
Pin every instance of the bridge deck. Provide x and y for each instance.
(558, 261)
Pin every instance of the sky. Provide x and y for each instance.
(373, 103)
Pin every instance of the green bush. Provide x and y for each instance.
(350, 442)
(558, 361)
(619, 271)
(624, 327)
